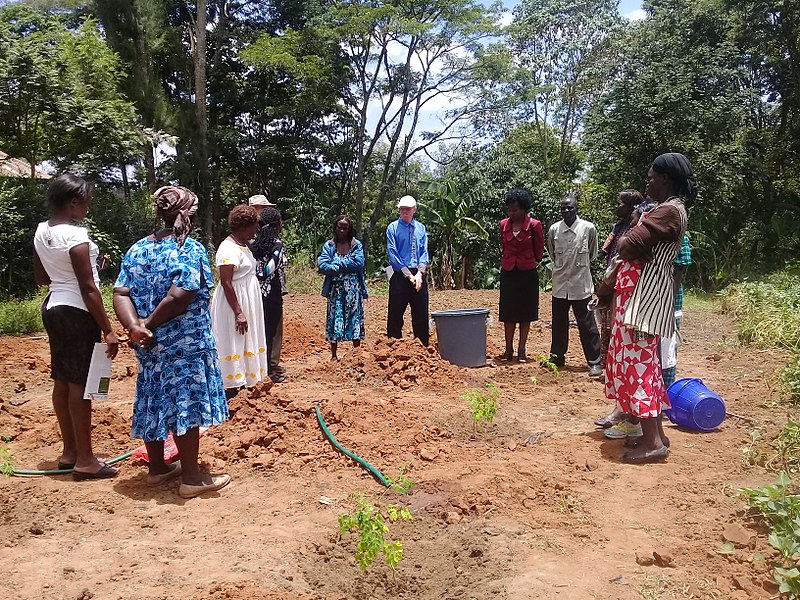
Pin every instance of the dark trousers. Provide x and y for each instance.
(401, 294)
(590, 338)
(273, 314)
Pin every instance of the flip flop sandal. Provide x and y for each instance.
(654, 456)
(66, 466)
(105, 472)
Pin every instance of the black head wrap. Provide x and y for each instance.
(178, 205)
(680, 172)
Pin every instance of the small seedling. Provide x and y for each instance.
(6, 461)
(534, 381)
(483, 403)
(369, 520)
(401, 484)
(547, 362)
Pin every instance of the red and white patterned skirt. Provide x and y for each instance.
(633, 365)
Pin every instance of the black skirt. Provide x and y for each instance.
(73, 333)
(519, 296)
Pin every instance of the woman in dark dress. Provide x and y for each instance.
(522, 241)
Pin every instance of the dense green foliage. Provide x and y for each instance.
(343, 106)
(768, 316)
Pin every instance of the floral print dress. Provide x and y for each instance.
(179, 385)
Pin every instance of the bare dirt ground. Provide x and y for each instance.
(494, 517)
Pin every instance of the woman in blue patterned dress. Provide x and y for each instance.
(161, 297)
(342, 263)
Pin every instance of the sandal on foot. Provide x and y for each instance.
(62, 466)
(174, 471)
(105, 472)
(192, 491)
(652, 456)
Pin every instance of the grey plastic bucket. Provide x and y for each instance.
(461, 334)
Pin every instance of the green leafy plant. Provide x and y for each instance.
(751, 454)
(547, 362)
(6, 461)
(483, 403)
(787, 450)
(779, 504)
(370, 520)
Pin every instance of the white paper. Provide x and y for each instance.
(389, 272)
(99, 374)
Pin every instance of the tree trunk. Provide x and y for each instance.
(126, 188)
(149, 166)
(201, 114)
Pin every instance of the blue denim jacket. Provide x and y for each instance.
(330, 265)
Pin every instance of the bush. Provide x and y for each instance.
(767, 312)
(20, 317)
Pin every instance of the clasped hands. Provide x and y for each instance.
(140, 334)
(416, 280)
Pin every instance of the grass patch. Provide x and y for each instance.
(767, 312)
(768, 316)
(21, 317)
(698, 300)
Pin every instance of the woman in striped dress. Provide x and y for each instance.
(645, 301)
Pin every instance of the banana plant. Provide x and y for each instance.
(448, 215)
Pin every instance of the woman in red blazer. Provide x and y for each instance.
(522, 241)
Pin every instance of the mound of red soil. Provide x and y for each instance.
(404, 363)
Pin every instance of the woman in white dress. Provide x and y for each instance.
(236, 313)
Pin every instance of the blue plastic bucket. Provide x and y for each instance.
(694, 405)
(461, 335)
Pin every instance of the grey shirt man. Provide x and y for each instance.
(572, 249)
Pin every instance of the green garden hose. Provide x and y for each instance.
(28, 472)
(378, 475)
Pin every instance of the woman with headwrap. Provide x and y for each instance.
(644, 310)
(236, 312)
(65, 259)
(271, 258)
(161, 297)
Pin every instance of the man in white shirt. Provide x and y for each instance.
(572, 245)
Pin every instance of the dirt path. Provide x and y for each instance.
(494, 517)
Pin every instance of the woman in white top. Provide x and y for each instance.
(237, 316)
(65, 259)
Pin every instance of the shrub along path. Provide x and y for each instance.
(494, 516)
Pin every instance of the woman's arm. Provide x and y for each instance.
(40, 275)
(129, 318)
(226, 281)
(538, 241)
(174, 304)
(354, 262)
(325, 261)
(662, 224)
(82, 266)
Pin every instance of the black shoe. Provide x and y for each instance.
(522, 358)
(507, 356)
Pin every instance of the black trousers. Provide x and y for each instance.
(401, 294)
(590, 338)
(273, 312)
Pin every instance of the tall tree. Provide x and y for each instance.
(59, 95)
(404, 58)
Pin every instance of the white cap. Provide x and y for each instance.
(407, 202)
(259, 200)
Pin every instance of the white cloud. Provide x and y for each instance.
(506, 18)
(635, 15)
